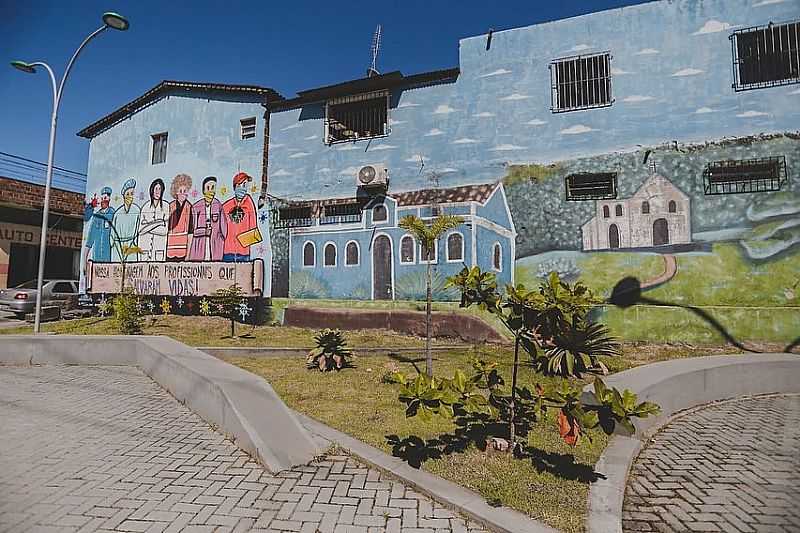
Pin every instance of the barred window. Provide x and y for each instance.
(428, 255)
(455, 247)
(745, 176)
(618, 210)
(159, 150)
(293, 217)
(341, 213)
(357, 117)
(645, 208)
(591, 186)
(247, 128)
(672, 207)
(580, 82)
(407, 249)
(497, 257)
(766, 56)
(606, 212)
(308, 254)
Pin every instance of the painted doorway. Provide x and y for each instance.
(613, 236)
(382, 287)
(660, 232)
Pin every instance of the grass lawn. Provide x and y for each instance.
(552, 485)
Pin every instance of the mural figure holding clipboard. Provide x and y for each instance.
(240, 212)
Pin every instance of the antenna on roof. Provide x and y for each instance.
(376, 46)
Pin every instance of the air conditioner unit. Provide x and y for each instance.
(376, 175)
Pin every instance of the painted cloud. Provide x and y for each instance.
(506, 148)
(299, 154)
(646, 52)
(536, 122)
(635, 98)
(406, 104)
(485, 114)
(703, 110)
(576, 130)
(579, 48)
(279, 173)
(416, 158)
(796, 91)
(618, 71)
(310, 138)
(393, 122)
(515, 96)
(348, 146)
(687, 72)
(713, 26)
(350, 171)
(434, 132)
(323, 170)
(292, 126)
(443, 109)
(752, 114)
(767, 3)
(465, 140)
(382, 147)
(498, 72)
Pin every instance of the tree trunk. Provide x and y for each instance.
(428, 356)
(512, 407)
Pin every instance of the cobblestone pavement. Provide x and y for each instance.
(732, 467)
(105, 448)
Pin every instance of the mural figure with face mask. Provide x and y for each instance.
(125, 225)
(179, 218)
(240, 212)
(153, 224)
(208, 224)
(98, 240)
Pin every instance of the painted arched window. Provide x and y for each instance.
(618, 210)
(308, 254)
(497, 257)
(645, 208)
(379, 213)
(330, 255)
(351, 253)
(606, 212)
(407, 249)
(673, 207)
(455, 247)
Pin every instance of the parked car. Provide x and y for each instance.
(21, 300)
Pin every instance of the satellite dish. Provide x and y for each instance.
(366, 175)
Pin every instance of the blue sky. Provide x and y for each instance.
(288, 47)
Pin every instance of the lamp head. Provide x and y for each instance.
(24, 67)
(115, 21)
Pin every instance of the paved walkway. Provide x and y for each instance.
(105, 448)
(670, 269)
(732, 467)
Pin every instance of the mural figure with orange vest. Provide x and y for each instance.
(242, 222)
(179, 218)
(209, 225)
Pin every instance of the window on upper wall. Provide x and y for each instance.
(455, 247)
(329, 255)
(580, 82)
(497, 257)
(309, 252)
(645, 208)
(618, 210)
(357, 117)
(428, 255)
(297, 216)
(606, 212)
(766, 56)
(591, 186)
(407, 250)
(745, 176)
(351, 253)
(159, 150)
(341, 213)
(379, 213)
(672, 207)
(247, 128)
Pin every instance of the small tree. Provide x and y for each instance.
(228, 300)
(126, 314)
(427, 235)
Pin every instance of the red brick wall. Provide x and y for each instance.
(27, 195)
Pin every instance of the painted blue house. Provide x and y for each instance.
(345, 250)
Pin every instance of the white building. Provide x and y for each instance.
(657, 214)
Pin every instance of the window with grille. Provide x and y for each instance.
(308, 254)
(351, 253)
(645, 208)
(159, 153)
(606, 212)
(247, 128)
(745, 176)
(341, 213)
(293, 217)
(428, 255)
(766, 56)
(618, 210)
(580, 82)
(357, 117)
(591, 186)
(497, 257)
(455, 247)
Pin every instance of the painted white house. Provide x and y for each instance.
(658, 214)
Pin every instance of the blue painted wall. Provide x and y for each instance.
(204, 139)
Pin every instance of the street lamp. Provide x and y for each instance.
(110, 20)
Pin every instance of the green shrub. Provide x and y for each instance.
(331, 351)
(126, 314)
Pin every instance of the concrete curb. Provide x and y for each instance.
(676, 386)
(256, 352)
(466, 502)
(240, 404)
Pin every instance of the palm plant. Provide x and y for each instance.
(331, 351)
(427, 234)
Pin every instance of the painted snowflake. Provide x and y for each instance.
(205, 307)
(260, 250)
(179, 302)
(151, 306)
(165, 307)
(220, 308)
(263, 217)
(253, 188)
(244, 310)
(194, 193)
(139, 306)
(223, 191)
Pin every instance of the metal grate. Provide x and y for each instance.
(580, 82)
(591, 186)
(745, 176)
(341, 213)
(766, 56)
(247, 128)
(293, 217)
(357, 117)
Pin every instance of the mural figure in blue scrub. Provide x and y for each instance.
(98, 241)
(126, 224)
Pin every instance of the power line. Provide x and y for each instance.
(42, 164)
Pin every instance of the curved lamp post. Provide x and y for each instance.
(110, 20)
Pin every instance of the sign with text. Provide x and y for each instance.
(176, 279)
(19, 233)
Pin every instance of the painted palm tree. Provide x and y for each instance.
(427, 234)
